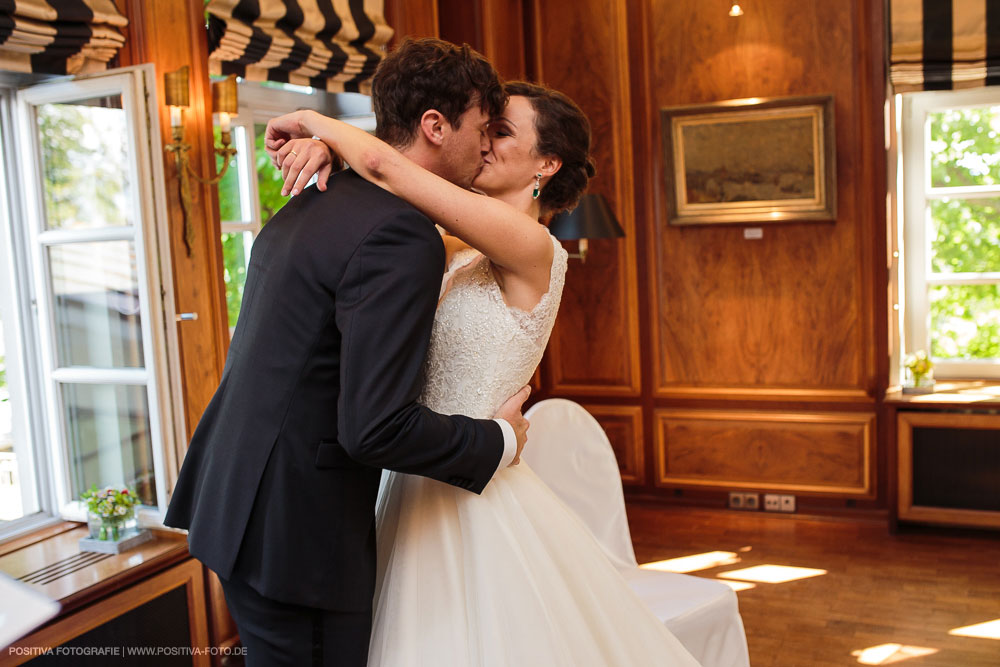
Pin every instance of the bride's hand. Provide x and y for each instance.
(283, 129)
(300, 159)
(512, 411)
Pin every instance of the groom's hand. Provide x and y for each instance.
(511, 411)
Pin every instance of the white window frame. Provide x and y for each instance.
(150, 236)
(917, 192)
(258, 105)
(16, 309)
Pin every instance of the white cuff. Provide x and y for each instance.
(509, 444)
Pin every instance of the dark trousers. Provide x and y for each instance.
(276, 633)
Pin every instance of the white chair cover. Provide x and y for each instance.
(569, 450)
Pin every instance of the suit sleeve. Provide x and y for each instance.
(385, 307)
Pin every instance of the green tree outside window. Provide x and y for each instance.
(234, 244)
(965, 233)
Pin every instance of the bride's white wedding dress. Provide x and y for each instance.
(509, 578)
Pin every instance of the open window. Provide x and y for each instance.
(88, 333)
(950, 146)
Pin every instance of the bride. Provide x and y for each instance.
(510, 577)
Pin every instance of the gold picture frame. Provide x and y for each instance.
(750, 161)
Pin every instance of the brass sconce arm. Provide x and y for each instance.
(224, 102)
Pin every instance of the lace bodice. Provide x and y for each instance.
(482, 350)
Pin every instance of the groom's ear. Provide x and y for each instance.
(432, 126)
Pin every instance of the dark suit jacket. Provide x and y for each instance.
(319, 392)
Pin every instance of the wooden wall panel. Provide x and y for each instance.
(787, 317)
(806, 452)
(594, 349)
(495, 28)
(411, 18)
(623, 426)
(792, 324)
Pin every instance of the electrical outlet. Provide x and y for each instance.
(739, 500)
(735, 500)
(772, 502)
(787, 503)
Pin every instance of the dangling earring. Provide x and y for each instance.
(538, 186)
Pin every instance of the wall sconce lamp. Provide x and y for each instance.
(591, 219)
(225, 103)
(736, 10)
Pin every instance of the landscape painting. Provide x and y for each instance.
(750, 161)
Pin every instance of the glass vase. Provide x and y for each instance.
(919, 384)
(113, 528)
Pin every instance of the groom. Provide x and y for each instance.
(319, 391)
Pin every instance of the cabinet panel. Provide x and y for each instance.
(820, 453)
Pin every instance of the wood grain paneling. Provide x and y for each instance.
(411, 18)
(594, 349)
(493, 27)
(55, 567)
(792, 323)
(623, 426)
(788, 317)
(810, 453)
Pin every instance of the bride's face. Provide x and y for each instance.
(512, 163)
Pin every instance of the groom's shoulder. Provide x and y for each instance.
(351, 212)
(371, 206)
(349, 190)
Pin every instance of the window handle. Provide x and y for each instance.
(186, 317)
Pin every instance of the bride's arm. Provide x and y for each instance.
(514, 241)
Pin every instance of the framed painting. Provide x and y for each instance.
(750, 161)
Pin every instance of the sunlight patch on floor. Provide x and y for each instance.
(693, 563)
(738, 585)
(987, 630)
(772, 574)
(887, 654)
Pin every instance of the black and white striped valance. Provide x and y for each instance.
(944, 44)
(333, 45)
(59, 36)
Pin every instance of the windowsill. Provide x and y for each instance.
(49, 562)
(951, 393)
(148, 517)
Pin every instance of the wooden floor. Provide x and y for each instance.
(908, 589)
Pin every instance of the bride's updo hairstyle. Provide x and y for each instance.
(564, 132)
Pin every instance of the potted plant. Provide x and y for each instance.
(919, 373)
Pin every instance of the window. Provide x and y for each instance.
(86, 324)
(951, 229)
(250, 192)
(12, 504)
(21, 494)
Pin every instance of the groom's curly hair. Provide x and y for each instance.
(428, 73)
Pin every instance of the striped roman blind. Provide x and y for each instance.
(333, 45)
(59, 36)
(944, 44)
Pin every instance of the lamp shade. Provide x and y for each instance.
(176, 87)
(591, 219)
(224, 96)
